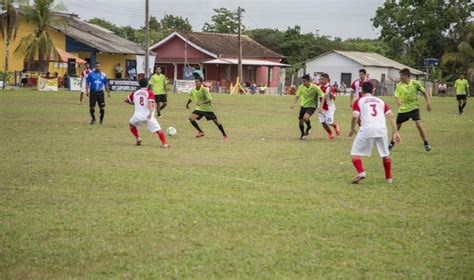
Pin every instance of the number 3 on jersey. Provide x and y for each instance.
(374, 110)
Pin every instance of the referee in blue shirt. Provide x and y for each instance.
(96, 83)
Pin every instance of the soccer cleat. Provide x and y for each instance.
(303, 137)
(428, 147)
(359, 178)
(330, 137)
(139, 142)
(101, 122)
(389, 180)
(307, 132)
(79, 103)
(200, 134)
(166, 146)
(92, 122)
(338, 130)
(226, 138)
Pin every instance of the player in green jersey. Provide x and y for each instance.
(204, 108)
(158, 85)
(406, 97)
(309, 95)
(461, 87)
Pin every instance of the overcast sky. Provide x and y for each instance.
(337, 18)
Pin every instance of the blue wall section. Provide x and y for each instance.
(74, 46)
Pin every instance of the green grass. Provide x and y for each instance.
(82, 201)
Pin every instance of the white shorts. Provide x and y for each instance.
(327, 117)
(83, 87)
(151, 123)
(362, 146)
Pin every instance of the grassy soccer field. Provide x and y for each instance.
(82, 201)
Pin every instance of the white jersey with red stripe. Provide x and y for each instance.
(357, 87)
(85, 73)
(371, 111)
(329, 96)
(141, 98)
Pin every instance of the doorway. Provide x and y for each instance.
(346, 79)
(71, 67)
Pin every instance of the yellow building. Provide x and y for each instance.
(75, 39)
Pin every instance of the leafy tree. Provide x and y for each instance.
(461, 58)
(172, 23)
(154, 24)
(365, 45)
(39, 43)
(9, 25)
(224, 21)
(415, 30)
(158, 29)
(270, 38)
(104, 23)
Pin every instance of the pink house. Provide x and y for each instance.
(217, 55)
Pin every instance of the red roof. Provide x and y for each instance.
(223, 45)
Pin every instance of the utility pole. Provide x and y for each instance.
(239, 13)
(147, 42)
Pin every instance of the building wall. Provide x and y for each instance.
(334, 64)
(109, 61)
(16, 62)
(175, 48)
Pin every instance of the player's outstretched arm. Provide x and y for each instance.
(151, 108)
(393, 125)
(107, 89)
(88, 86)
(428, 101)
(355, 120)
(398, 102)
(187, 104)
(351, 98)
(295, 100)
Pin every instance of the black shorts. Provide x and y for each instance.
(97, 97)
(403, 117)
(306, 110)
(24, 81)
(162, 98)
(461, 97)
(208, 115)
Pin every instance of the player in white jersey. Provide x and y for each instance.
(372, 112)
(356, 86)
(328, 108)
(84, 74)
(144, 101)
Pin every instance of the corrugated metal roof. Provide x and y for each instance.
(95, 36)
(368, 59)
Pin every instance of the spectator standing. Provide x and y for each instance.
(118, 71)
(24, 80)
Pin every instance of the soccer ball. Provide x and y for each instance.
(171, 131)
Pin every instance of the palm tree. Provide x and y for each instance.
(9, 25)
(39, 44)
(463, 57)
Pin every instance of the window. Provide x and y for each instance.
(270, 74)
(128, 65)
(251, 74)
(346, 79)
